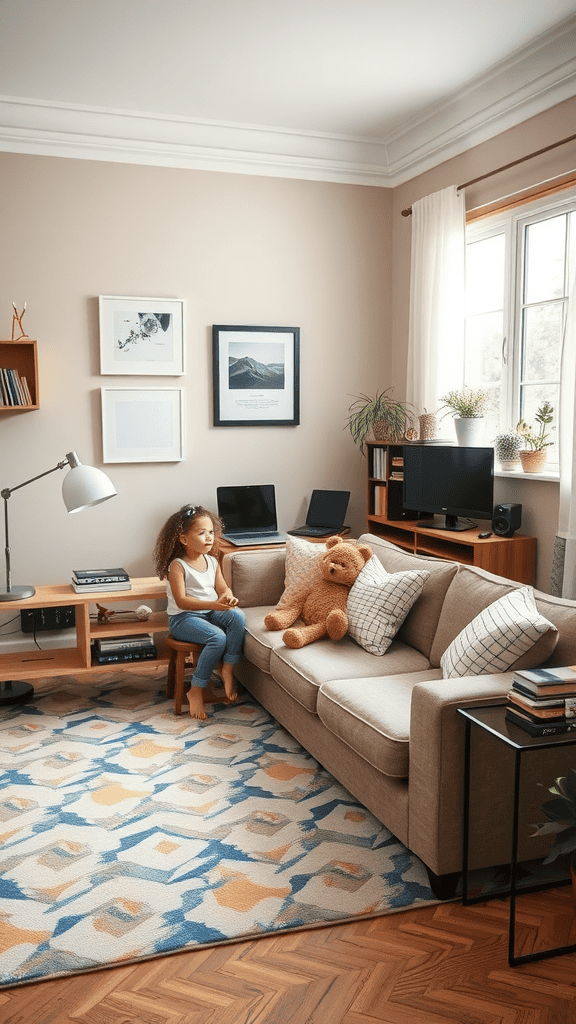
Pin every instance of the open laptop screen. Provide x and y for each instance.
(327, 508)
(247, 509)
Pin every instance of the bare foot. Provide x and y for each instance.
(196, 702)
(229, 682)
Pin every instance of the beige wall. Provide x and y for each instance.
(539, 499)
(240, 250)
(331, 259)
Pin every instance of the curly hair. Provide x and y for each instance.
(169, 546)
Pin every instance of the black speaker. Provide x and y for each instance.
(506, 519)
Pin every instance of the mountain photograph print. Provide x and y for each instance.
(256, 376)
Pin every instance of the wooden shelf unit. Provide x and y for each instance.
(512, 557)
(21, 355)
(76, 660)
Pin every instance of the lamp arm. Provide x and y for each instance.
(6, 494)
(10, 490)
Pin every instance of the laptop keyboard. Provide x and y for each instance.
(243, 539)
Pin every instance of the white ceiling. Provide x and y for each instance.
(371, 91)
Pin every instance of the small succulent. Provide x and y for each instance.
(536, 439)
(508, 444)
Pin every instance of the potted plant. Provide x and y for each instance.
(467, 406)
(533, 455)
(508, 446)
(382, 415)
(561, 812)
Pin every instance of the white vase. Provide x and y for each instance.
(469, 431)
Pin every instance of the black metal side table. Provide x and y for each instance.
(491, 719)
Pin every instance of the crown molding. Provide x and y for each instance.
(533, 80)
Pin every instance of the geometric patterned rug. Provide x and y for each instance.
(127, 833)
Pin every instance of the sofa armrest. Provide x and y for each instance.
(436, 791)
(255, 577)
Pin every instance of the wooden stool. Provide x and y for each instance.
(180, 652)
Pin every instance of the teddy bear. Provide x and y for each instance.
(322, 607)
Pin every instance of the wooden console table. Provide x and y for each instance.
(513, 557)
(77, 660)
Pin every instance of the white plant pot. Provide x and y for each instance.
(469, 432)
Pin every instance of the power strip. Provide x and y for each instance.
(36, 620)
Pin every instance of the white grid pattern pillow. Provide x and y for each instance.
(497, 637)
(379, 602)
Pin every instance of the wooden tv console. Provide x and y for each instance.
(513, 557)
(76, 661)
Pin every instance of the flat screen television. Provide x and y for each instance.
(451, 481)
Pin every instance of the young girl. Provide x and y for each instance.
(201, 608)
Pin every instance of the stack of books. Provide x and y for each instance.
(13, 388)
(106, 650)
(543, 701)
(86, 581)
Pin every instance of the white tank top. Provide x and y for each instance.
(200, 585)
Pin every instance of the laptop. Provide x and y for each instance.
(249, 515)
(325, 515)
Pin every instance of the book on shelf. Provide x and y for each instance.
(396, 474)
(118, 643)
(13, 388)
(551, 727)
(379, 500)
(99, 588)
(84, 576)
(379, 463)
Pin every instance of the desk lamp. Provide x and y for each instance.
(82, 487)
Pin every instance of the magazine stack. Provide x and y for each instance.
(87, 581)
(543, 701)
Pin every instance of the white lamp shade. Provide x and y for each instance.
(84, 486)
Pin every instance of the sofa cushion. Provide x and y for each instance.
(259, 642)
(419, 627)
(508, 631)
(302, 672)
(379, 602)
(302, 567)
(256, 577)
(372, 716)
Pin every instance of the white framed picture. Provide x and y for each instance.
(141, 336)
(143, 424)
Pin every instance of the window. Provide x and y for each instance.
(518, 272)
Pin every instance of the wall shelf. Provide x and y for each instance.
(21, 355)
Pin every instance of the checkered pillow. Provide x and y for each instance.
(497, 637)
(379, 602)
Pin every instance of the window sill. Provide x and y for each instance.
(552, 476)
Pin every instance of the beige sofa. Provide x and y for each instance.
(387, 726)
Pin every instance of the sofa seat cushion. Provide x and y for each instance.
(372, 716)
(419, 627)
(259, 642)
(302, 672)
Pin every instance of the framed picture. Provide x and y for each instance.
(256, 376)
(142, 336)
(143, 424)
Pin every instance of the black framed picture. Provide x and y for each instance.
(256, 376)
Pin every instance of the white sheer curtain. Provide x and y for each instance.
(564, 563)
(436, 329)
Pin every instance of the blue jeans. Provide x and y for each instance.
(221, 633)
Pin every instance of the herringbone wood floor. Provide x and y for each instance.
(444, 964)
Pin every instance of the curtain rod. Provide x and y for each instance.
(521, 160)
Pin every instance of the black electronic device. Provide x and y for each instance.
(325, 514)
(249, 514)
(449, 480)
(37, 620)
(506, 519)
